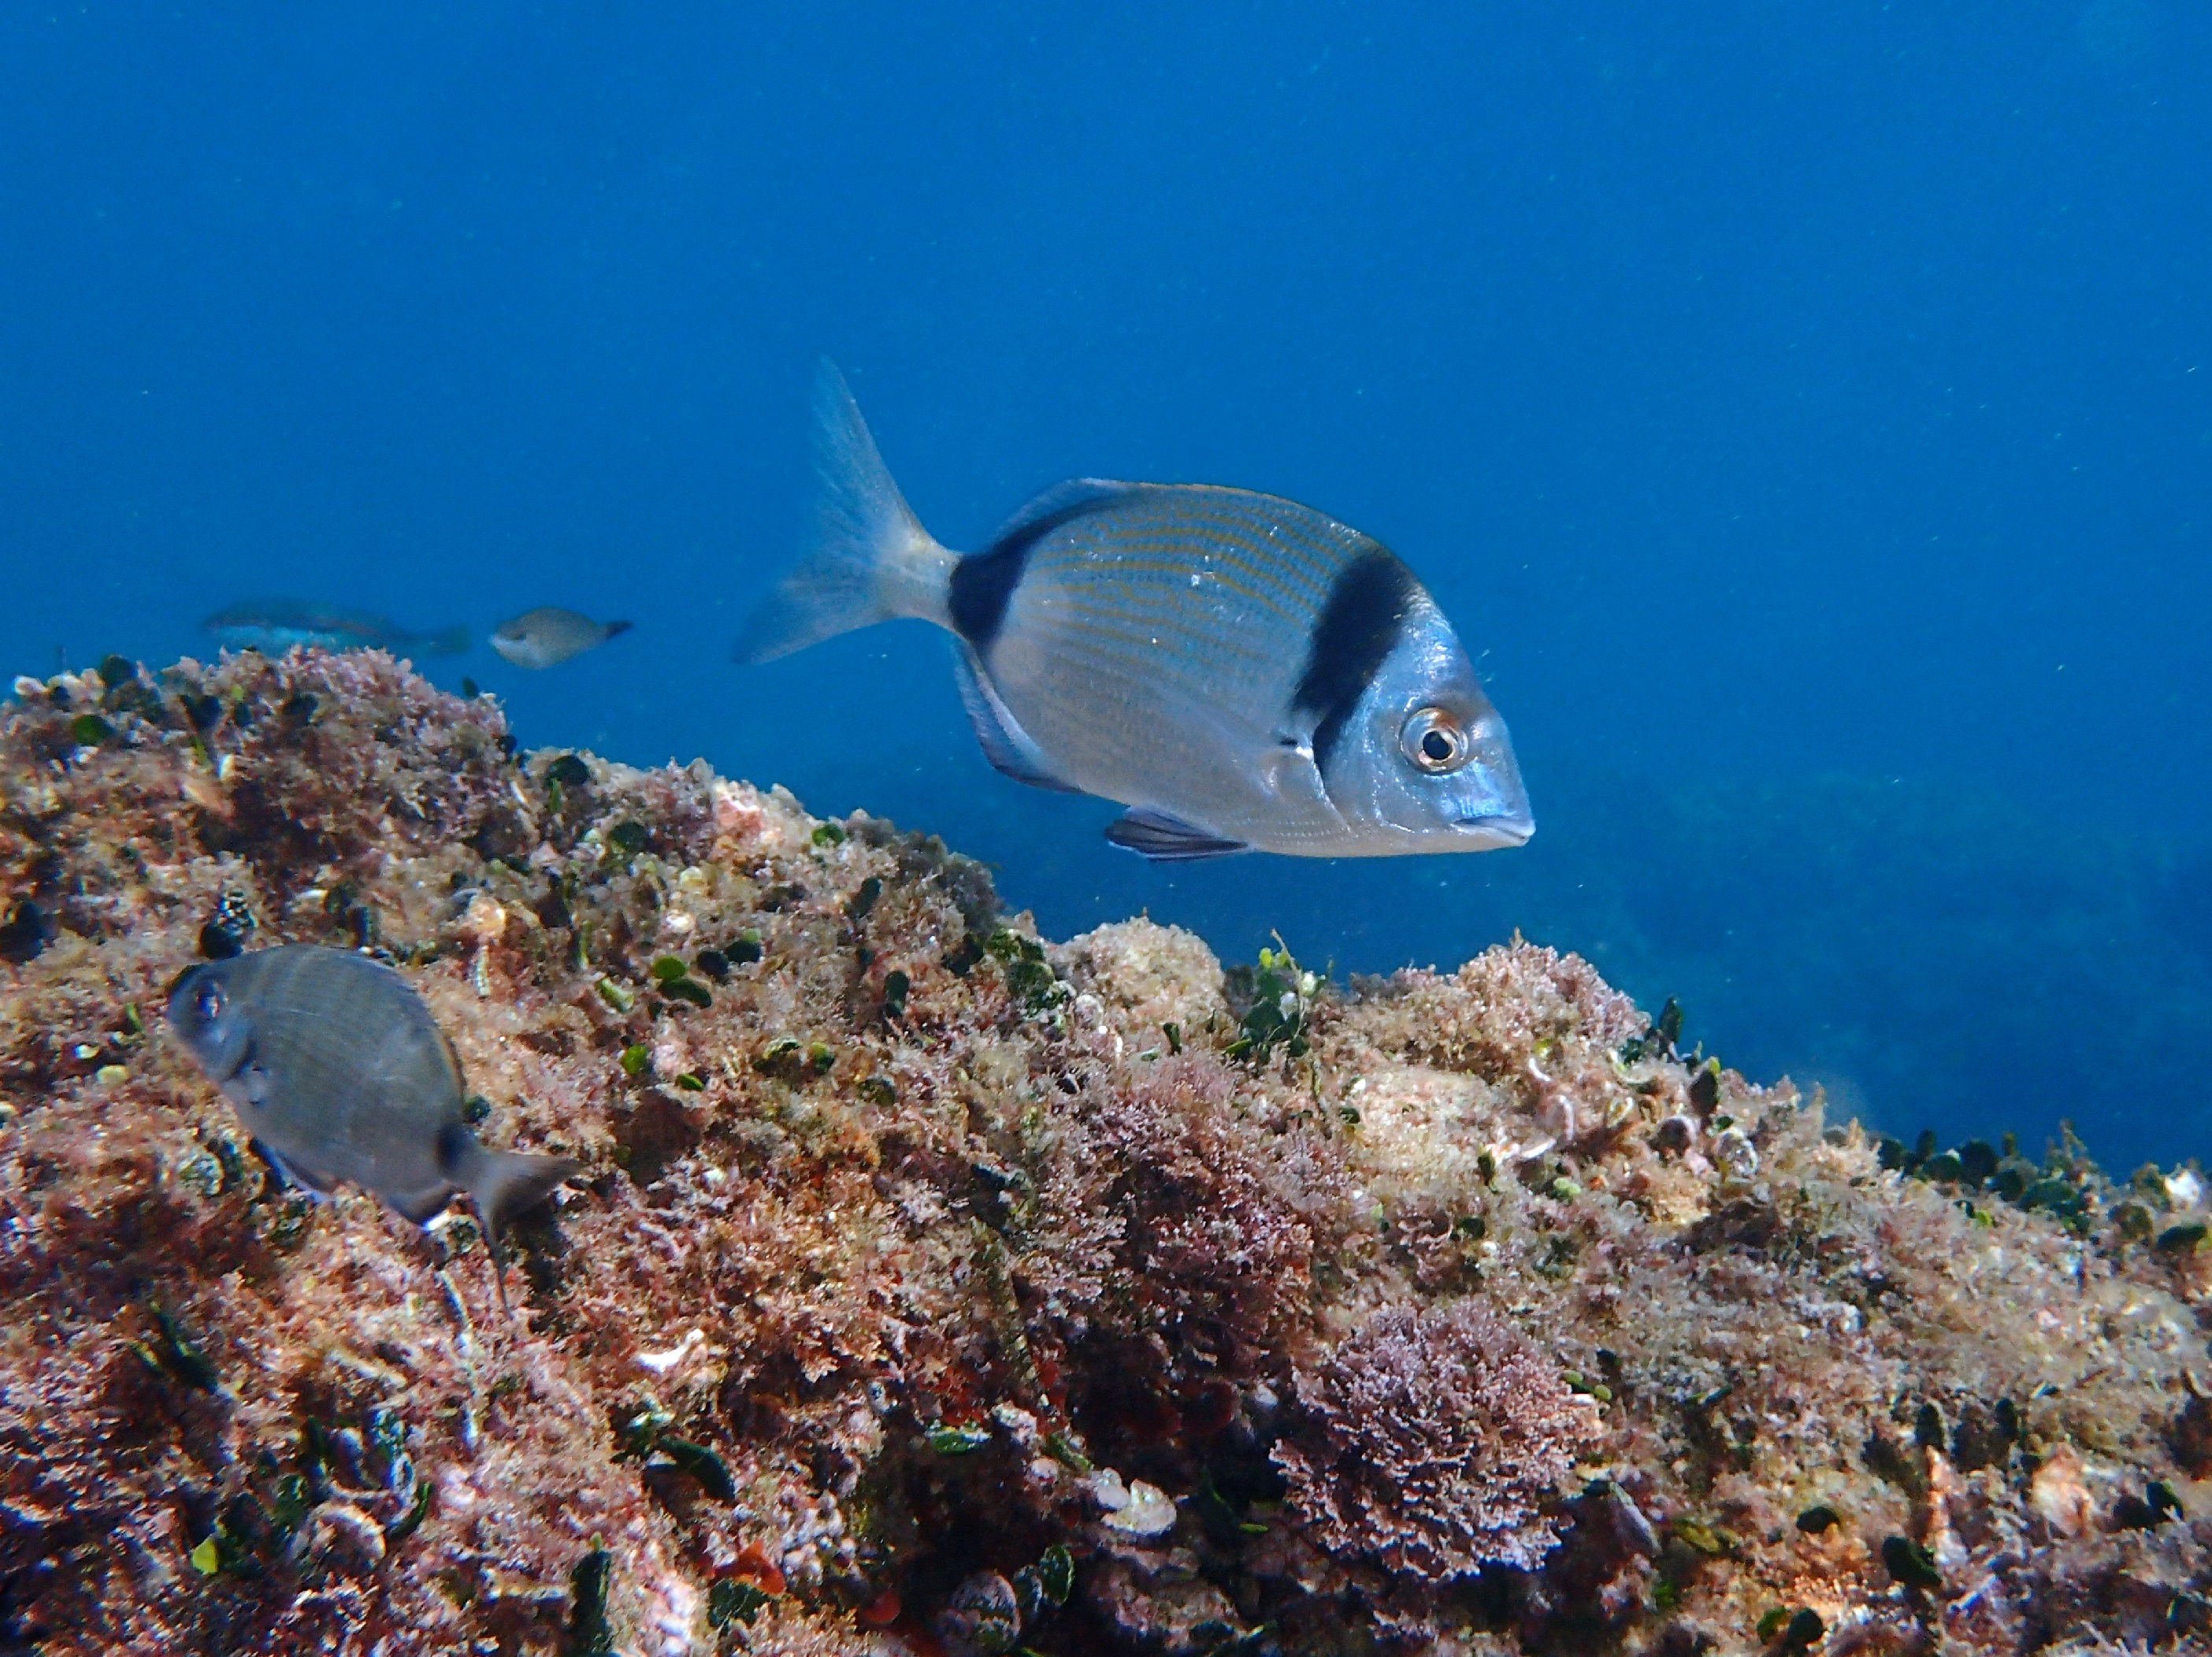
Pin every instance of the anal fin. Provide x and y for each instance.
(1161, 838)
(1005, 743)
(421, 1207)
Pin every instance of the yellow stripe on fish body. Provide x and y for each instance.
(1153, 640)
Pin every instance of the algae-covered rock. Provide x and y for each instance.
(933, 1289)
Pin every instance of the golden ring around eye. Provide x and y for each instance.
(1434, 742)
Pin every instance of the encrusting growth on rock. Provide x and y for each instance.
(934, 1290)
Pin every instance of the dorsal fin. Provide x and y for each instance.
(983, 583)
(1048, 509)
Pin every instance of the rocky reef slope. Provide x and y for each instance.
(937, 1290)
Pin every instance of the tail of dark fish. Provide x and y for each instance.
(873, 561)
(503, 1183)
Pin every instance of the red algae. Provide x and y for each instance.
(933, 1288)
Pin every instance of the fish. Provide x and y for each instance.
(543, 638)
(273, 626)
(1240, 672)
(339, 1073)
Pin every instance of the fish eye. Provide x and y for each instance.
(1433, 740)
(209, 1004)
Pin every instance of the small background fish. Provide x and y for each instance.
(544, 637)
(339, 1073)
(1238, 669)
(273, 626)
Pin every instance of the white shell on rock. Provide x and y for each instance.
(1148, 1511)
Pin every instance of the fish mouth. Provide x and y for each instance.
(1497, 829)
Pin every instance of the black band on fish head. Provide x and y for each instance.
(1361, 624)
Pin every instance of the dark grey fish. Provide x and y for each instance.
(545, 636)
(339, 1073)
(273, 626)
(1239, 670)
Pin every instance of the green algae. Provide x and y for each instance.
(1282, 1001)
(688, 990)
(897, 985)
(173, 1354)
(730, 1600)
(645, 1436)
(1910, 1564)
(1029, 977)
(589, 1633)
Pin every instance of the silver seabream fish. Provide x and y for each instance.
(546, 636)
(339, 1073)
(1240, 671)
(273, 626)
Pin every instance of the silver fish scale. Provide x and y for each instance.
(1163, 635)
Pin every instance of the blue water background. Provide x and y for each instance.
(1804, 412)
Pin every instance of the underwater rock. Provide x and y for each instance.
(933, 1286)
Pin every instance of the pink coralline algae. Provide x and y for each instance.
(1445, 1434)
(933, 1289)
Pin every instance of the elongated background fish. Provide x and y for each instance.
(1238, 669)
(274, 625)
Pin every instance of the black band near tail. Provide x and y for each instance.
(983, 583)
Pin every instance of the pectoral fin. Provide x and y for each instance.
(421, 1206)
(1161, 838)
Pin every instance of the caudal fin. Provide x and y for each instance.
(503, 1183)
(871, 560)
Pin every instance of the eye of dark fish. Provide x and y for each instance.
(209, 1002)
(1434, 741)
